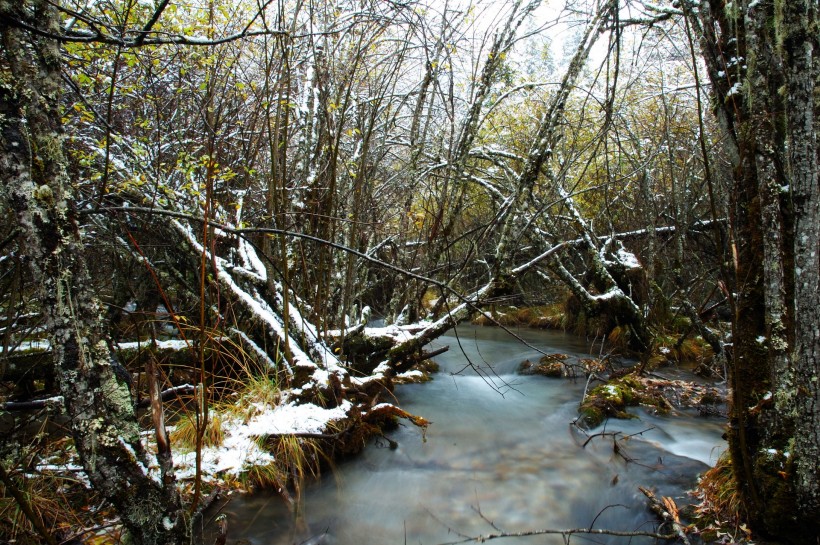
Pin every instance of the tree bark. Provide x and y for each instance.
(801, 46)
(761, 61)
(36, 187)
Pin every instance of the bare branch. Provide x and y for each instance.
(564, 533)
(95, 35)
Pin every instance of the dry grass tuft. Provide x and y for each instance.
(695, 351)
(185, 430)
(720, 511)
(265, 476)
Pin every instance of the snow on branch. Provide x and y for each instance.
(251, 301)
(626, 235)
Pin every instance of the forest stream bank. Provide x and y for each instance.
(501, 454)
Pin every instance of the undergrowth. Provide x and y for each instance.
(544, 317)
(719, 514)
(46, 501)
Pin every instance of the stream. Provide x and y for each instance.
(500, 452)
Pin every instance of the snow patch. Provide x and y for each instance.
(175, 344)
(30, 345)
(396, 333)
(240, 451)
(611, 390)
(627, 258)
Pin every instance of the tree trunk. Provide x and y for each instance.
(36, 187)
(760, 57)
(801, 45)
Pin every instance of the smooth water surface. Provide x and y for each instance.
(501, 450)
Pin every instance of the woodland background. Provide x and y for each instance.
(259, 180)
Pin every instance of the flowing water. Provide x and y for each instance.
(500, 453)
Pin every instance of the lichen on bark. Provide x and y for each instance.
(33, 171)
(775, 227)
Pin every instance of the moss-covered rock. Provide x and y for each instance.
(612, 399)
(592, 365)
(661, 395)
(550, 365)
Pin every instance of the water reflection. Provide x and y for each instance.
(499, 454)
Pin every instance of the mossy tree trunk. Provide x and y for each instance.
(762, 61)
(36, 188)
(801, 44)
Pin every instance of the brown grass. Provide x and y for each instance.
(720, 509)
(185, 430)
(59, 500)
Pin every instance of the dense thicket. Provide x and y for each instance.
(280, 173)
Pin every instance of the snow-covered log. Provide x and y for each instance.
(309, 356)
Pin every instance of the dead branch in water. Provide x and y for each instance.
(667, 511)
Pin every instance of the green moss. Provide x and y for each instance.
(590, 416)
(613, 398)
(681, 324)
(773, 475)
(541, 317)
(676, 349)
(550, 365)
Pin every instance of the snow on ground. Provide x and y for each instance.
(628, 259)
(29, 345)
(415, 374)
(173, 344)
(399, 333)
(240, 450)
